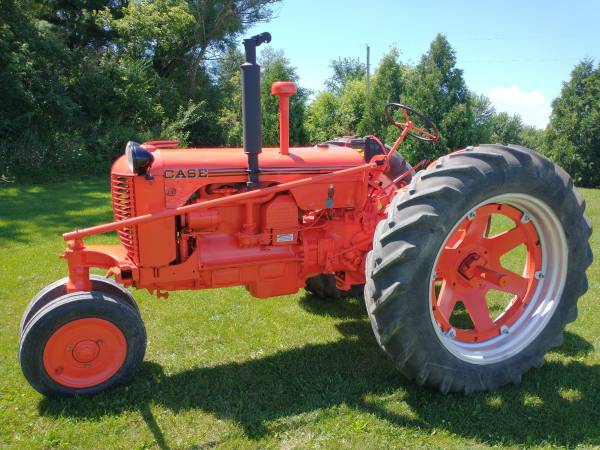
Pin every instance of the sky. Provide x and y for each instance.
(518, 53)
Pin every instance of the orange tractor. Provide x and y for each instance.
(346, 217)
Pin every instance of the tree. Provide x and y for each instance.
(483, 116)
(322, 118)
(180, 36)
(230, 95)
(276, 67)
(506, 129)
(387, 87)
(352, 106)
(573, 135)
(78, 20)
(344, 69)
(437, 89)
(79, 78)
(532, 137)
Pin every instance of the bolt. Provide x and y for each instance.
(525, 218)
(504, 329)
(70, 347)
(451, 333)
(471, 215)
(539, 275)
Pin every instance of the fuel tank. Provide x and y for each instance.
(211, 162)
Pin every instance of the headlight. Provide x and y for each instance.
(138, 158)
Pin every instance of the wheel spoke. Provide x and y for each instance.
(423, 132)
(477, 227)
(506, 241)
(445, 261)
(405, 115)
(446, 300)
(478, 310)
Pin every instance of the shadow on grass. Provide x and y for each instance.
(346, 308)
(557, 404)
(52, 208)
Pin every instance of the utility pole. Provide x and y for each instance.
(368, 69)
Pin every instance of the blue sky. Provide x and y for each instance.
(516, 52)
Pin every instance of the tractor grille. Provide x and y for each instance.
(124, 208)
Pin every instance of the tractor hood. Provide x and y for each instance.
(209, 162)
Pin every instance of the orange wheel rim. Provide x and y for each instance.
(470, 265)
(84, 353)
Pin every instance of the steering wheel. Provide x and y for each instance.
(432, 135)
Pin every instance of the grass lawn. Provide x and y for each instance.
(224, 369)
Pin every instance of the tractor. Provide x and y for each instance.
(347, 217)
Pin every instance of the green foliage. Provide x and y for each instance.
(78, 20)
(275, 67)
(437, 89)
(387, 87)
(344, 69)
(573, 135)
(78, 79)
(322, 118)
(352, 106)
(506, 129)
(532, 137)
(483, 117)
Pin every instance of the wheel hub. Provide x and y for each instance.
(86, 351)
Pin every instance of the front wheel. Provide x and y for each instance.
(478, 268)
(82, 343)
(57, 289)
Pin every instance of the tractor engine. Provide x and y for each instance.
(271, 244)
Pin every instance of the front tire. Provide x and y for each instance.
(435, 262)
(82, 343)
(59, 288)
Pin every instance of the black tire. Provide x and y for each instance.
(323, 286)
(70, 307)
(59, 288)
(406, 245)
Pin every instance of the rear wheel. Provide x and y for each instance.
(82, 343)
(478, 268)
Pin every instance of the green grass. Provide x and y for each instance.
(223, 369)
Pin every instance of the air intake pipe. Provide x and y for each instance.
(251, 115)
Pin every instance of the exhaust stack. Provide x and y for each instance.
(284, 89)
(251, 115)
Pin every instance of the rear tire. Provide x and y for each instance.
(406, 311)
(82, 343)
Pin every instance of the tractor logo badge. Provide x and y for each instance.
(187, 173)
